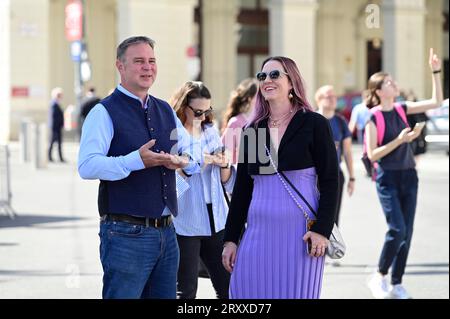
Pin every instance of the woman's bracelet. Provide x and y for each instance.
(228, 243)
(437, 71)
(228, 166)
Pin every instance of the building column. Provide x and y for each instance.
(5, 74)
(434, 35)
(292, 33)
(25, 63)
(171, 25)
(404, 49)
(219, 49)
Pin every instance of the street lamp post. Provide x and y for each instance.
(75, 33)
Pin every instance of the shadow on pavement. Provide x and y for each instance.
(8, 244)
(31, 220)
(34, 273)
(411, 269)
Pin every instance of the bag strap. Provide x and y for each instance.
(225, 195)
(298, 193)
(283, 180)
(401, 111)
(381, 125)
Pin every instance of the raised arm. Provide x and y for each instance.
(437, 97)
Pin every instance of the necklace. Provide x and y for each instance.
(278, 121)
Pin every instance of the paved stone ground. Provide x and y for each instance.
(50, 250)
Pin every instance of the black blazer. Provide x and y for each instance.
(56, 117)
(307, 142)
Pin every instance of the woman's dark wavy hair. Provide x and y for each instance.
(183, 96)
(240, 99)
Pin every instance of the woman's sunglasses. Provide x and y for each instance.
(273, 75)
(198, 113)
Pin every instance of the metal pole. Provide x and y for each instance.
(10, 211)
(78, 82)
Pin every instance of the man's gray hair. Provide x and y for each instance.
(122, 48)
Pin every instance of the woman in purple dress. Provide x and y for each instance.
(271, 261)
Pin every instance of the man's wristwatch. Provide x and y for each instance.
(186, 174)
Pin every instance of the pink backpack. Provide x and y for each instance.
(381, 128)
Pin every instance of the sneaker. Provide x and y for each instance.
(398, 292)
(379, 286)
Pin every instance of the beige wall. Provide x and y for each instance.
(292, 33)
(5, 73)
(331, 48)
(170, 24)
(219, 51)
(100, 21)
(342, 35)
(30, 59)
(101, 37)
(433, 39)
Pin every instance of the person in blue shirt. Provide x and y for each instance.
(133, 142)
(360, 116)
(203, 206)
(326, 102)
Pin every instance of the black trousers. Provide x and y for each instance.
(341, 184)
(209, 249)
(56, 136)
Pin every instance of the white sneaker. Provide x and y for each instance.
(398, 292)
(379, 286)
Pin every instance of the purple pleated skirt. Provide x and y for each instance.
(271, 261)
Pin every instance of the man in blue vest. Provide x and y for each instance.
(133, 142)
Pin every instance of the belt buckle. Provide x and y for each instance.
(156, 222)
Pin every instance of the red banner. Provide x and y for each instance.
(74, 20)
(20, 91)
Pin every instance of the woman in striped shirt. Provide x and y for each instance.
(202, 207)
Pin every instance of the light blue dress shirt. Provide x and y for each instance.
(205, 187)
(96, 137)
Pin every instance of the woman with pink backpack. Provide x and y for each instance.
(387, 137)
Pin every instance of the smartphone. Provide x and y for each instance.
(419, 126)
(218, 150)
(308, 246)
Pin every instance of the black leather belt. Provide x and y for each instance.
(163, 221)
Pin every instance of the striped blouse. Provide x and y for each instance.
(203, 188)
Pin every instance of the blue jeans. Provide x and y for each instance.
(138, 262)
(397, 191)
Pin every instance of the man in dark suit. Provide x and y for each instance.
(56, 123)
(87, 104)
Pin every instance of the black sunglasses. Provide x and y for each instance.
(198, 113)
(273, 75)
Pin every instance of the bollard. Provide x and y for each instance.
(5, 182)
(25, 140)
(39, 145)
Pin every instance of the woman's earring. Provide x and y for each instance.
(291, 96)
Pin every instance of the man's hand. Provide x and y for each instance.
(176, 161)
(150, 158)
